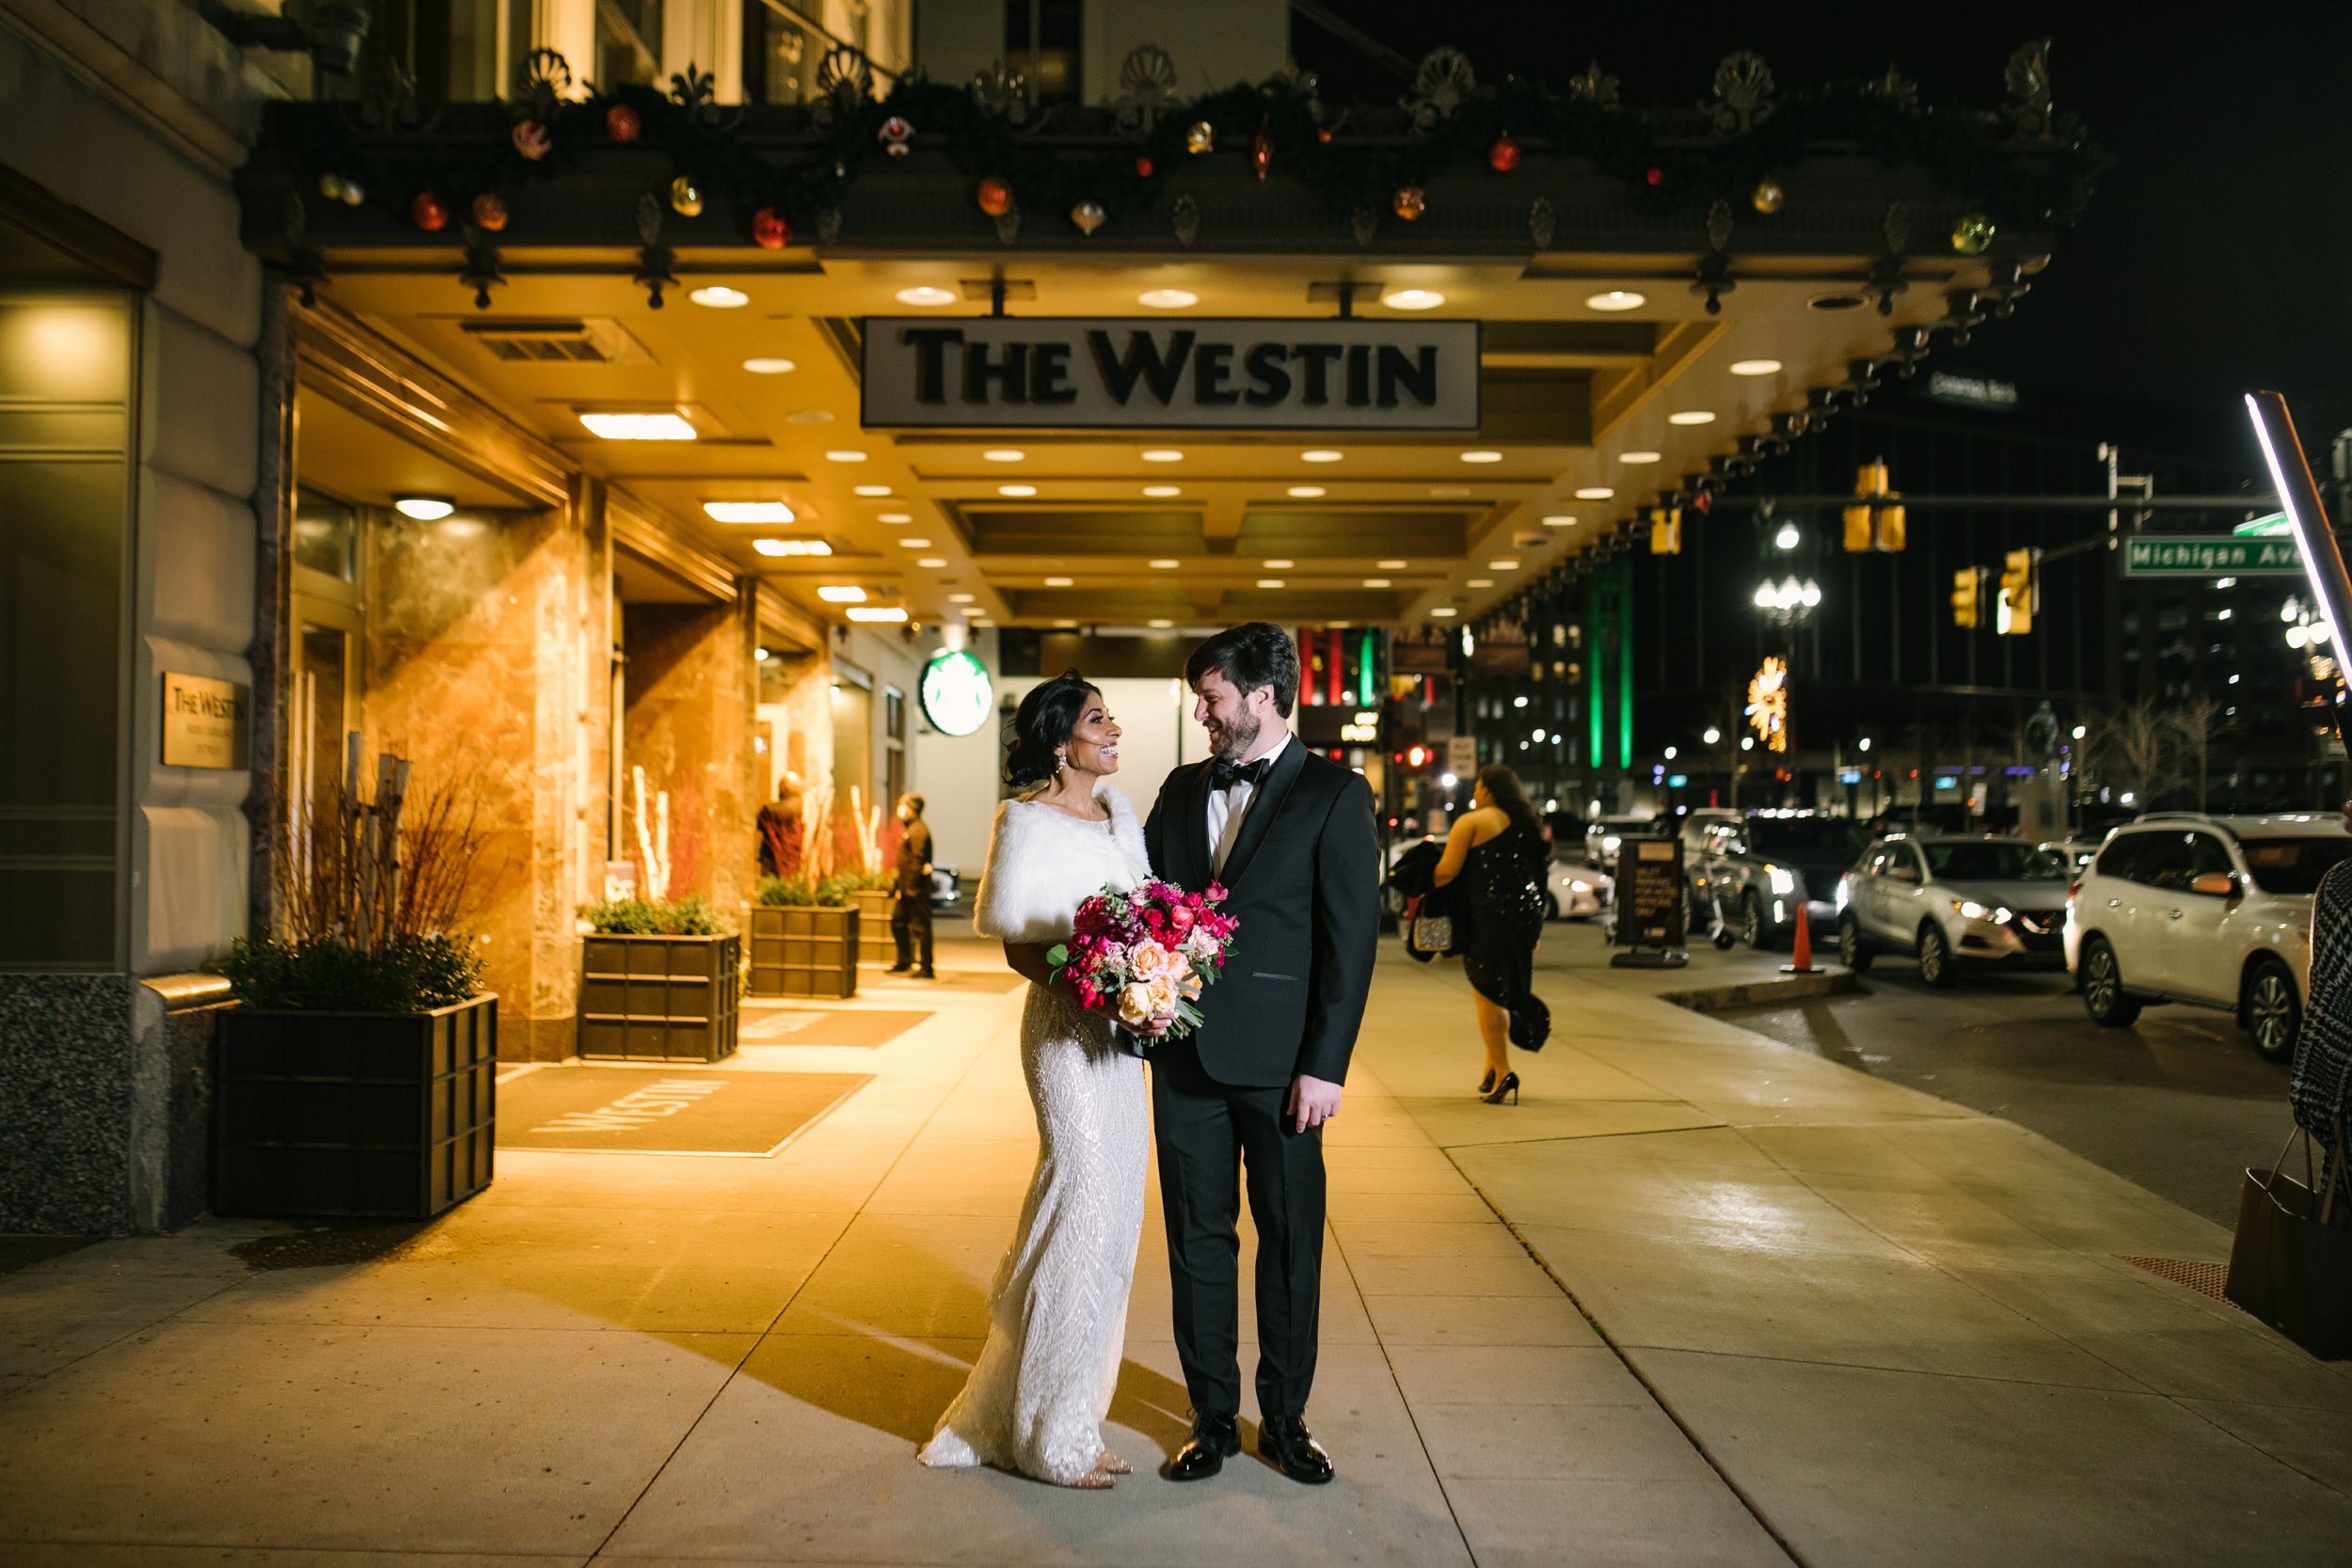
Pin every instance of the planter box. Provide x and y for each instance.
(874, 908)
(362, 1114)
(658, 998)
(802, 950)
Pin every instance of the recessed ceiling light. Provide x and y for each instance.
(1691, 416)
(768, 365)
(750, 512)
(1161, 492)
(809, 415)
(1067, 626)
(896, 518)
(873, 491)
(1280, 565)
(927, 293)
(1755, 367)
(886, 615)
(1060, 582)
(1481, 456)
(1161, 455)
(430, 509)
(1442, 611)
(1595, 492)
(1159, 625)
(914, 542)
(932, 563)
(1412, 299)
(1270, 582)
(1637, 457)
(1167, 299)
(1307, 492)
(1836, 302)
(1615, 299)
(834, 593)
(638, 427)
(1376, 582)
(845, 455)
(1449, 491)
(1321, 454)
(960, 599)
(1559, 519)
(1391, 565)
(1003, 455)
(1502, 565)
(720, 297)
(1018, 492)
(1480, 582)
(791, 546)
(1166, 564)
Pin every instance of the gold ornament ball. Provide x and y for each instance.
(1971, 233)
(1089, 216)
(1767, 197)
(1199, 137)
(1409, 203)
(684, 199)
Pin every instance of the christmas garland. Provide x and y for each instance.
(2034, 170)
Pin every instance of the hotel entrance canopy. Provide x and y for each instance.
(1261, 355)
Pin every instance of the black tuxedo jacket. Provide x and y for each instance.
(1304, 882)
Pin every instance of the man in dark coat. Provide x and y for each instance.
(911, 915)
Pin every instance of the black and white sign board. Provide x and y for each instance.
(1651, 906)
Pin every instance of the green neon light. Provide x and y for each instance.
(1363, 669)
(1595, 689)
(1625, 664)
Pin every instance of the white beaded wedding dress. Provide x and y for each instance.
(1058, 1309)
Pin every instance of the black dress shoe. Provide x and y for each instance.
(1293, 1451)
(1215, 1440)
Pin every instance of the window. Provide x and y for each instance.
(2294, 866)
(1042, 42)
(2166, 861)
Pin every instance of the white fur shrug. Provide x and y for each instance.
(1042, 864)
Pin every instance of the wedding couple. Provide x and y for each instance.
(1290, 834)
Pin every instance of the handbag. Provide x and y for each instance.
(2291, 1259)
(1431, 933)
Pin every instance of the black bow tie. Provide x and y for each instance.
(1225, 775)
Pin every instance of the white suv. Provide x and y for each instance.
(1952, 899)
(2215, 911)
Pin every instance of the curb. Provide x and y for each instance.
(1757, 993)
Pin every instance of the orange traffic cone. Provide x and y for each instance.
(1802, 958)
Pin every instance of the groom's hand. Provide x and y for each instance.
(1313, 1102)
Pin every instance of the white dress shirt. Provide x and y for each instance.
(1229, 807)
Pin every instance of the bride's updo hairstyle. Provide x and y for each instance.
(1040, 728)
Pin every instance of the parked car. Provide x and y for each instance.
(2075, 852)
(1953, 900)
(1579, 892)
(1770, 870)
(1693, 827)
(2212, 911)
(1605, 835)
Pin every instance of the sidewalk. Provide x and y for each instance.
(1698, 1292)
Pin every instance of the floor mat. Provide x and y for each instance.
(810, 1026)
(618, 1110)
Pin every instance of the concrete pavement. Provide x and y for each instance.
(1699, 1299)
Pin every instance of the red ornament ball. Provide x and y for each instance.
(623, 123)
(1653, 176)
(1409, 203)
(429, 212)
(1143, 168)
(488, 212)
(1505, 155)
(994, 196)
(770, 230)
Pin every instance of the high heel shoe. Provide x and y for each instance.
(1510, 1086)
(1486, 1085)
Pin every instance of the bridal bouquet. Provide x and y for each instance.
(1146, 953)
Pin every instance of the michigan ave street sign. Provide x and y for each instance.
(2210, 555)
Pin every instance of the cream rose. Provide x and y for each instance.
(1136, 1006)
(1164, 994)
(1148, 960)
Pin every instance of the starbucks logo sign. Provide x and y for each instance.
(955, 692)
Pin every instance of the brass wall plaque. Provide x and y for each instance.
(206, 722)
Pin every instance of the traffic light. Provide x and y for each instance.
(1877, 523)
(2021, 593)
(1967, 596)
(1665, 530)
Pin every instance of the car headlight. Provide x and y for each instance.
(1784, 883)
(1576, 885)
(1611, 842)
(1968, 909)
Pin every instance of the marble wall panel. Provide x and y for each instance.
(689, 724)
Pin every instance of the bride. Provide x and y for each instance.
(1057, 1308)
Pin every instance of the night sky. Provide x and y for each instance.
(2216, 253)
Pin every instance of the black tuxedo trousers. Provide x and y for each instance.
(1303, 882)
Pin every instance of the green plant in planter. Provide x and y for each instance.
(689, 916)
(833, 892)
(409, 974)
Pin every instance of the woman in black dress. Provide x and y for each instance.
(1497, 851)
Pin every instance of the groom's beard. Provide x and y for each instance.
(1229, 740)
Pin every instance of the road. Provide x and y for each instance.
(2180, 1104)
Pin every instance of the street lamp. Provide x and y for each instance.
(1712, 734)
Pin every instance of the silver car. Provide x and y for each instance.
(1951, 900)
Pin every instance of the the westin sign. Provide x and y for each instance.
(1006, 372)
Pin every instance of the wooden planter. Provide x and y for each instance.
(658, 998)
(386, 1115)
(803, 950)
(874, 943)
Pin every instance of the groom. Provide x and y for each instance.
(1290, 834)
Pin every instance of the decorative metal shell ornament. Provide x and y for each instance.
(532, 140)
(1971, 233)
(1767, 197)
(488, 212)
(1089, 216)
(623, 123)
(994, 196)
(1199, 137)
(1409, 203)
(770, 230)
(429, 212)
(896, 135)
(686, 198)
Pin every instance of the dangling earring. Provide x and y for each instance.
(1062, 760)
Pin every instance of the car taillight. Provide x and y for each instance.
(2072, 888)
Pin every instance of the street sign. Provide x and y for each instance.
(2211, 555)
(1461, 755)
